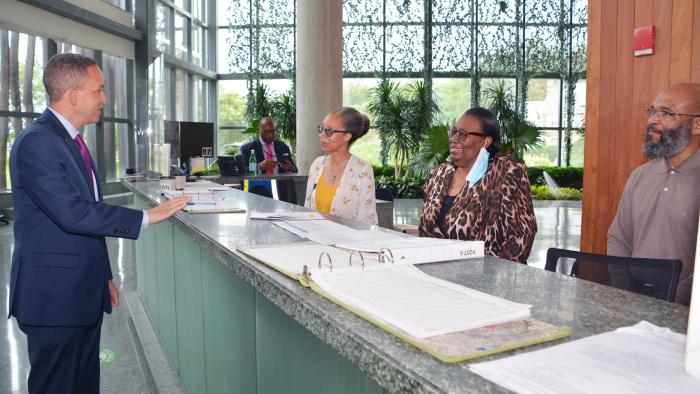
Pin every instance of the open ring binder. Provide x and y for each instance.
(384, 254)
(362, 258)
(464, 323)
(330, 260)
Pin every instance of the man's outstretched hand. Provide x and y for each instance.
(167, 209)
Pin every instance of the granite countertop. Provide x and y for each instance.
(586, 307)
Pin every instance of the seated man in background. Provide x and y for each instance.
(273, 156)
(658, 213)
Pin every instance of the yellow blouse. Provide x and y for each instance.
(324, 195)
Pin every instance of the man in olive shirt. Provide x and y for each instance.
(658, 213)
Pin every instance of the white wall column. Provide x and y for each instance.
(319, 73)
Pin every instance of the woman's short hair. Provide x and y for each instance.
(489, 126)
(354, 122)
(65, 71)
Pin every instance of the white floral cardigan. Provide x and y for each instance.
(354, 198)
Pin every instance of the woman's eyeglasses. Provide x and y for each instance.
(463, 134)
(328, 131)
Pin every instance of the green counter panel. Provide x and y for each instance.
(224, 337)
(190, 317)
(165, 270)
(292, 360)
(229, 330)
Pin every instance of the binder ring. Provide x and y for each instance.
(362, 258)
(385, 255)
(330, 260)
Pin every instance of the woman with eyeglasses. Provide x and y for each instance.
(341, 184)
(479, 195)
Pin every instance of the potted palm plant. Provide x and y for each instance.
(402, 117)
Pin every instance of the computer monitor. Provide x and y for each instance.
(231, 165)
(189, 139)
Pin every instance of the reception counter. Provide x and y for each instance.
(385, 209)
(231, 324)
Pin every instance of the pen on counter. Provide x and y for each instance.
(201, 203)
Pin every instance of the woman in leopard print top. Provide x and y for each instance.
(497, 209)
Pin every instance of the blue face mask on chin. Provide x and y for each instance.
(479, 168)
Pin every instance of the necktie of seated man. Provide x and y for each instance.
(86, 156)
(268, 156)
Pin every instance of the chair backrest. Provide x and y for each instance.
(653, 277)
(261, 186)
(384, 193)
(282, 189)
(231, 165)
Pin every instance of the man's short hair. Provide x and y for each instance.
(65, 71)
(268, 119)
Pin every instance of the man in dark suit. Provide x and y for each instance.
(273, 156)
(61, 281)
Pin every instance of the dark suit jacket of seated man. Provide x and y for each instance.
(278, 159)
(61, 280)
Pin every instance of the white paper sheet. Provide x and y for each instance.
(326, 232)
(643, 358)
(212, 207)
(418, 304)
(692, 347)
(287, 216)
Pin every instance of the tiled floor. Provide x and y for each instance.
(559, 225)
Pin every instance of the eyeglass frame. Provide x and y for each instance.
(323, 130)
(664, 114)
(462, 134)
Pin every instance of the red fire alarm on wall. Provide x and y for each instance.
(644, 41)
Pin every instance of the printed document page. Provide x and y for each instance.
(420, 305)
(212, 207)
(692, 346)
(643, 358)
(327, 232)
(287, 216)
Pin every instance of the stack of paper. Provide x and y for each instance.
(212, 207)
(326, 232)
(643, 358)
(286, 215)
(418, 304)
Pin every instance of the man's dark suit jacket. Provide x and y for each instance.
(60, 265)
(281, 149)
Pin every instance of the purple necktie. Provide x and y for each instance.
(85, 154)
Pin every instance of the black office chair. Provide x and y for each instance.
(384, 194)
(282, 189)
(652, 277)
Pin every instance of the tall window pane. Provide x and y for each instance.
(453, 96)
(180, 95)
(180, 36)
(163, 28)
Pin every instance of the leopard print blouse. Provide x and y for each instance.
(497, 210)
